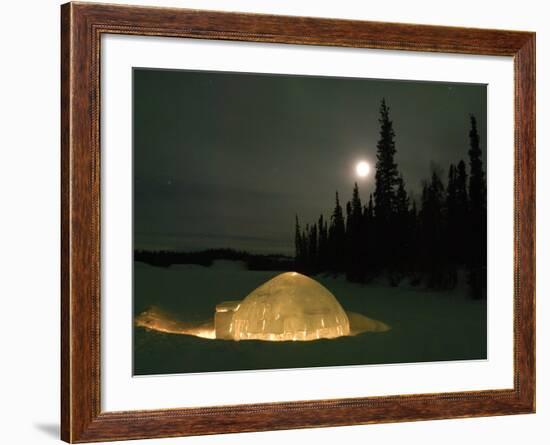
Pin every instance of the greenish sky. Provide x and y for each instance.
(228, 159)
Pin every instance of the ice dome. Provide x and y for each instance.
(290, 306)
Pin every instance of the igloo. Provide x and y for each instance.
(290, 306)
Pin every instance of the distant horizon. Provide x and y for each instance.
(181, 247)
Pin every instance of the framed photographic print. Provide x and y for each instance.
(275, 222)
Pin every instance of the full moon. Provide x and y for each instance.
(362, 169)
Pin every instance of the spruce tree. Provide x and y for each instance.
(313, 249)
(414, 266)
(401, 235)
(337, 237)
(305, 248)
(476, 189)
(384, 193)
(370, 208)
(477, 193)
(431, 219)
(323, 244)
(348, 216)
(369, 253)
(401, 198)
(451, 207)
(356, 208)
(355, 238)
(386, 168)
(338, 218)
(461, 187)
(452, 227)
(462, 212)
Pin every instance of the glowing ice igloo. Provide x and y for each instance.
(290, 306)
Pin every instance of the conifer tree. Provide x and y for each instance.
(401, 198)
(477, 261)
(452, 227)
(356, 208)
(431, 220)
(414, 267)
(355, 238)
(369, 256)
(451, 204)
(386, 168)
(312, 248)
(348, 216)
(337, 237)
(462, 187)
(476, 187)
(462, 212)
(305, 248)
(385, 184)
(323, 244)
(401, 235)
(370, 208)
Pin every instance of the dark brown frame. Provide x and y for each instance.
(82, 25)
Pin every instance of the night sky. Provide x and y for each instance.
(228, 159)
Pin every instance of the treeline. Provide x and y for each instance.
(165, 258)
(393, 236)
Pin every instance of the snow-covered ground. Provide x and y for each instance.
(425, 325)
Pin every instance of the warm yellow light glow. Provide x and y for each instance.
(155, 319)
(362, 169)
(289, 307)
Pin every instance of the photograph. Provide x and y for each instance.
(289, 221)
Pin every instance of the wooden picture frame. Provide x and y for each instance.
(82, 25)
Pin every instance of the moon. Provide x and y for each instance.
(362, 169)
